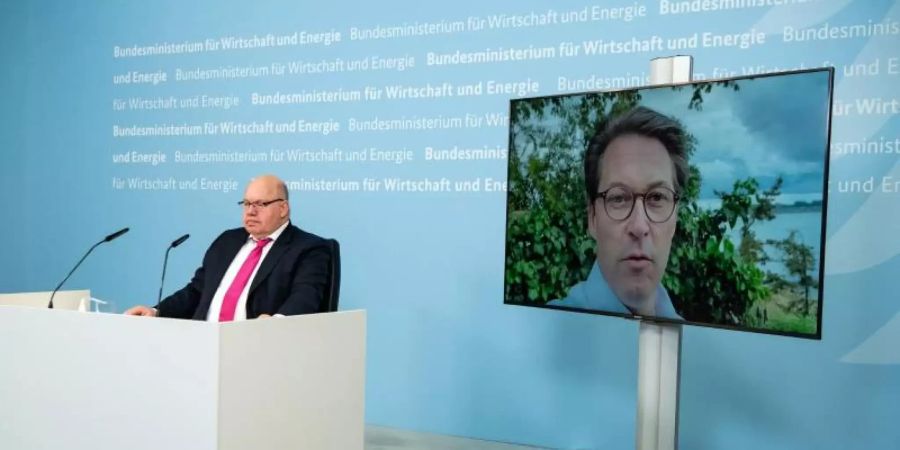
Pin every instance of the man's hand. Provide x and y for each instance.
(264, 316)
(141, 311)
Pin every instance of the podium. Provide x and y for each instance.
(63, 300)
(100, 381)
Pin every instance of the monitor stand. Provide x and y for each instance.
(659, 346)
(659, 363)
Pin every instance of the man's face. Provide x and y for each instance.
(261, 221)
(633, 253)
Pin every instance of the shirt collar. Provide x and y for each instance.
(663, 304)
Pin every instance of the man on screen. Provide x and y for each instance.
(268, 267)
(634, 169)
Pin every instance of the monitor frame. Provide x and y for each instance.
(662, 320)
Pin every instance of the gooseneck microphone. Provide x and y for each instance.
(114, 235)
(106, 239)
(174, 244)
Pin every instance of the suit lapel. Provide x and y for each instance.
(281, 246)
(224, 255)
(229, 252)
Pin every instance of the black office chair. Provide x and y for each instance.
(333, 288)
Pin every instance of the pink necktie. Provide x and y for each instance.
(229, 303)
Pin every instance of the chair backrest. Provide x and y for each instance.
(333, 288)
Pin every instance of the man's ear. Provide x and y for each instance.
(675, 217)
(591, 216)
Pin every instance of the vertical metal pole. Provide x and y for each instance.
(659, 358)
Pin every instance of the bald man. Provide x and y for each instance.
(268, 267)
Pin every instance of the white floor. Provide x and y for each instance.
(383, 438)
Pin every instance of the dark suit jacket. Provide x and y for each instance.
(291, 279)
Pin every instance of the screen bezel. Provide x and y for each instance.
(663, 320)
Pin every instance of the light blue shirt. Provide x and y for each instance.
(595, 294)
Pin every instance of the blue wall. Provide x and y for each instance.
(445, 354)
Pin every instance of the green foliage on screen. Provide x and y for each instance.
(709, 278)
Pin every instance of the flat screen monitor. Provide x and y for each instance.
(701, 203)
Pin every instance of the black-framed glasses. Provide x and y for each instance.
(257, 204)
(659, 203)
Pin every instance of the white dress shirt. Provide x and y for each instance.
(241, 313)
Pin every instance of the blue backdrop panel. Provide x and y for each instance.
(402, 81)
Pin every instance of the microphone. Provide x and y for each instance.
(115, 235)
(174, 244)
(106, 239)
(180, 240)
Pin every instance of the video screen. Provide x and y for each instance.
(701, 203)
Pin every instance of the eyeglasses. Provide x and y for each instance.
(659, 203)
(257, 204)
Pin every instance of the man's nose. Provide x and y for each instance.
(638, 224)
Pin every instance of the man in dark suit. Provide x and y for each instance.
(268, 267)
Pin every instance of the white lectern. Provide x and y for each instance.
(99, 381)
(64, 299)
